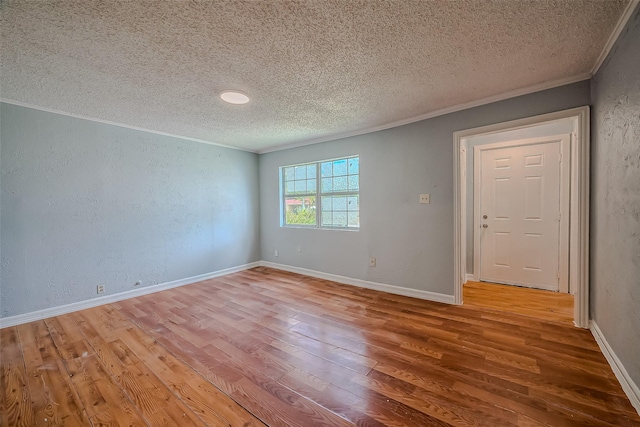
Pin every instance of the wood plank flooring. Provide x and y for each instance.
(545, 305)
(266, 347)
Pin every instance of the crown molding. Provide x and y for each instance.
(622, 22)
(453, 109)
(441, 112)
(122, 125)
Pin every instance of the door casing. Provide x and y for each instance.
(578, 266)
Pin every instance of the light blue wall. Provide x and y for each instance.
(615, 198)
(85, 203)
(413, 243)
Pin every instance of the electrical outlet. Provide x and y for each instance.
(372, 262)
(100, 289)
(425, 199)
(275, 253)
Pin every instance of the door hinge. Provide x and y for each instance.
(558, 274)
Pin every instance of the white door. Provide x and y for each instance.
(520, 214)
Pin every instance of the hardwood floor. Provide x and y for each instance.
(266, 347)
(545, 305)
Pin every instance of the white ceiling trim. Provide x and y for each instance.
(622, 22)
(107, 122)
(122, 125)
(441, 112)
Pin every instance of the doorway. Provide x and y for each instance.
(521, 211)
(573, 146)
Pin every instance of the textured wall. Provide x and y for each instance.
(85, 203)
(615, 198)
(413, 243)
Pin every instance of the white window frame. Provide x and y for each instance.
(318, 195)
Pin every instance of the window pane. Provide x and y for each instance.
(339, 186)
(326, 169)
(288, 174)
(353, 203)
(300, 210)
(354, 166)
(326, 185)
(353, 219)
(289, 187)
(340, 183)
(339, 219)
(301, 186)
(354, 182)
(339, 167)
(339, 203)
(311, 171)
(311, 185)
(301, 172)
(326, 204)
(326, 218)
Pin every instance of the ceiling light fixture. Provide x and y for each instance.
(234, 97)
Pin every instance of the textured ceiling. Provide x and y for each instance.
(313, 69)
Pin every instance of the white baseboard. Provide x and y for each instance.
(107, 299)
(470, 276)
(630, 388)
(398, 290)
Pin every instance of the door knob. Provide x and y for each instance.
(485, 225)
(484, 216)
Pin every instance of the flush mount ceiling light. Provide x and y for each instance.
(234, 97)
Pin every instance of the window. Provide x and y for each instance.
(322, 194)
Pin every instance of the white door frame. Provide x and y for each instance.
(563, 231)
(579, 204)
